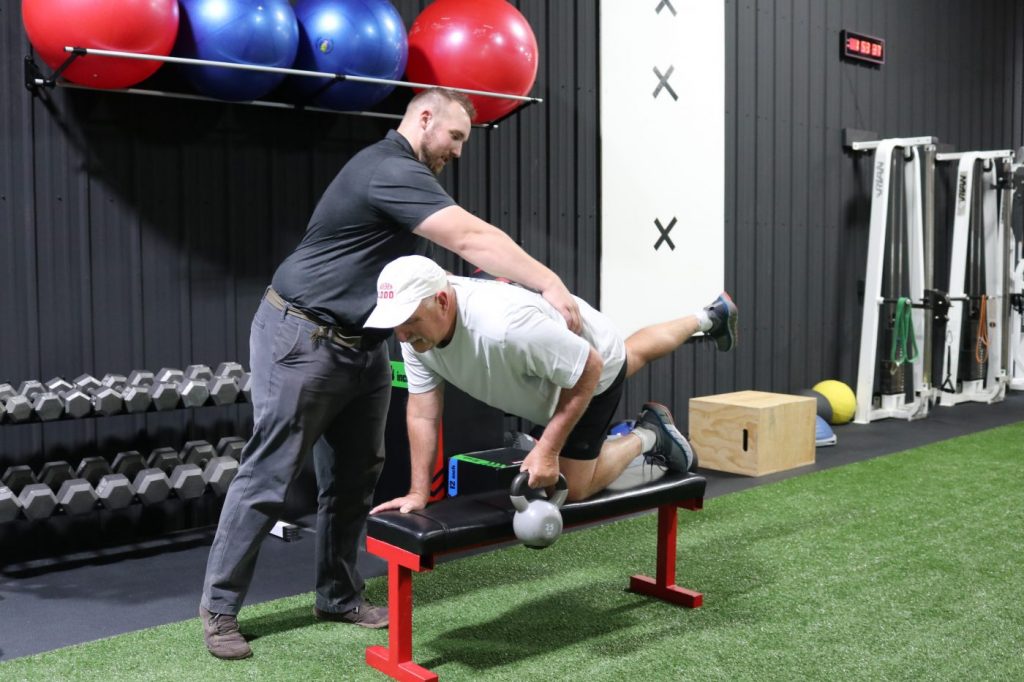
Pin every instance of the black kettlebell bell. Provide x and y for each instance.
(538, 523)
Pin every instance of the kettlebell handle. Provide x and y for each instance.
(519, 500)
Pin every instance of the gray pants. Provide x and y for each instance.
(307, 394)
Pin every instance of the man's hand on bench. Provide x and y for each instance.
(408, 503)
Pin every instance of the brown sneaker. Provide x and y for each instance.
(220, 632)
(365, 616)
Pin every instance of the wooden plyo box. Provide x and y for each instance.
(752, 432)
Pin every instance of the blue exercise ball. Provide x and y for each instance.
(260, 32)
(354, 37)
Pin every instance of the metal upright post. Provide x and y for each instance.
(977, 233)
(886, 220)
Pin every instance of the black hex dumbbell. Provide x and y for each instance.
(202, 374)
(46, 405)
(74, 401)
(75, 495)
(10, 505)
(114, 491)
(224, 388)
(17, 407)
(105, 400)
(218, 471)
(164, 396)
(245, 385)
(194, 391)
(37, 499)
(186, 479)
(222, 384)
(231, 446)
(229, 369)
(30, 389)
(136, 398)
(151, 484)
(6, 391)
(226, 385)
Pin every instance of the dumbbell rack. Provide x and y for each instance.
(240, 396)
(198, 468)
(171, 490)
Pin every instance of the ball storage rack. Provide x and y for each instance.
(36, 80)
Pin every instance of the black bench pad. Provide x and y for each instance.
(470, 520)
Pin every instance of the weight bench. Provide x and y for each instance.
(410, 542)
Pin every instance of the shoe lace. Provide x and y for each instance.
(223, 624)
(656, 459)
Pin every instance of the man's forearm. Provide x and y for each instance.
(422, 452)
(486, 247)
(423, 417)
(494, 252)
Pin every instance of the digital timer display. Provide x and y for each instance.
(863, 48)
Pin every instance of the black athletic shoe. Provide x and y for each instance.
(724, 315)
(671, 450)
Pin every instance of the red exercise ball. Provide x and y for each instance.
(148, 26)
(478, 45)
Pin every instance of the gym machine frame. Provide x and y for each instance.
(1015, 345)
(919, 153)
(993, 235)
(34, 81)
(1015, 286)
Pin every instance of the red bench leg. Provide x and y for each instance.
(664, 587)
(395, 660)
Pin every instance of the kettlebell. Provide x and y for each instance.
(538, 523)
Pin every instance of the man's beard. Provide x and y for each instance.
(435, 162)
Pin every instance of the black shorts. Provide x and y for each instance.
(587, 437)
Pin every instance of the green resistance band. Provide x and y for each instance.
(904, 345)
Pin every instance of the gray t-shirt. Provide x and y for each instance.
(363, 221)
(512, 350)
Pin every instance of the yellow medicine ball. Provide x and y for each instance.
(840, 397)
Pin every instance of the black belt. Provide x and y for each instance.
(330, 332)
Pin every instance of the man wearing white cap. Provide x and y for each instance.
(507, 347)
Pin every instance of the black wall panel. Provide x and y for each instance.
(797, 203)
(141, 232)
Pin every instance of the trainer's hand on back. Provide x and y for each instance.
(542, 463)
(559, 297)
(409, 503)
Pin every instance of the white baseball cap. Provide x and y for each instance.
(402, 284)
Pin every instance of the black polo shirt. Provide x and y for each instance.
(363, 221)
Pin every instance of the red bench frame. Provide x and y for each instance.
(395, 660)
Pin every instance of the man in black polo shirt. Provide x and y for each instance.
(322, 382)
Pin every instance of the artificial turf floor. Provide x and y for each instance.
(908, 566)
